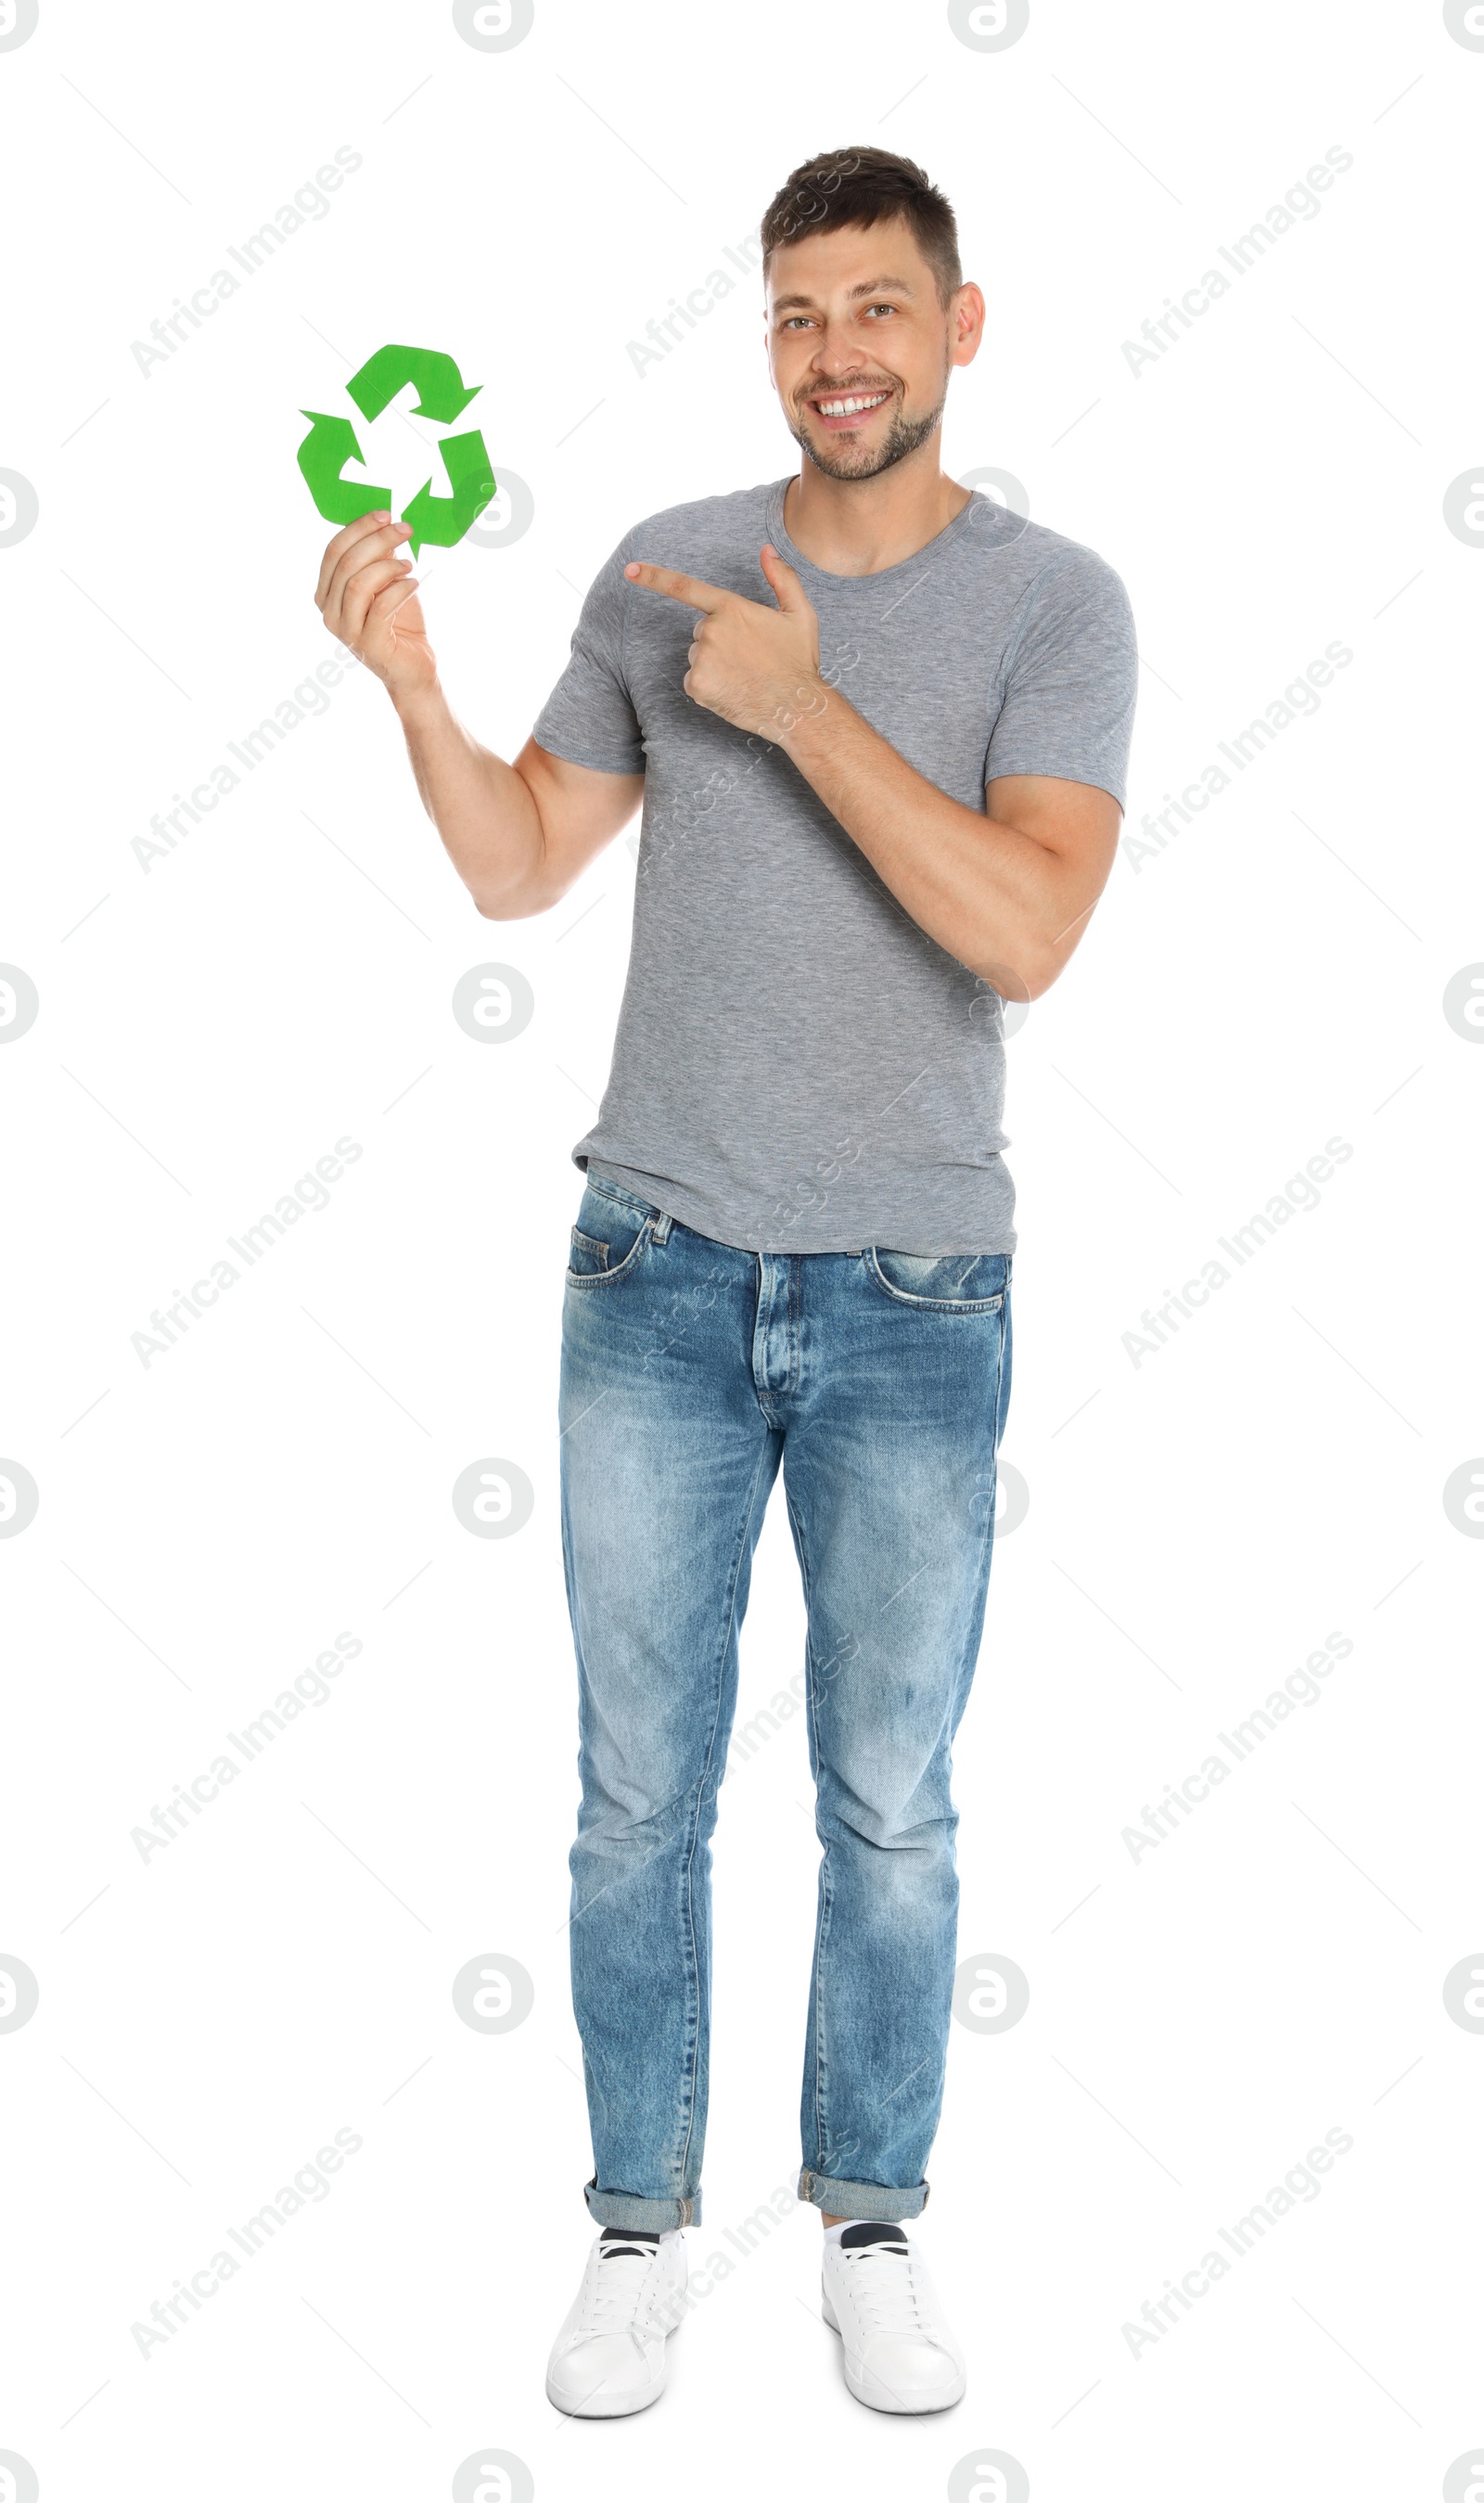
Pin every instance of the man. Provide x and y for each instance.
(879, 727)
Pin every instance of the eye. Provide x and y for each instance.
(880, 308)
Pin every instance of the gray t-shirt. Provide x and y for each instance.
(798, 1065)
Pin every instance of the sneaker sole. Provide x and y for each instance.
(873, 2393)
(616, 2403)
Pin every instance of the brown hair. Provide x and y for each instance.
(860, 186)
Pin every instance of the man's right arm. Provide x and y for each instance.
(518, 835)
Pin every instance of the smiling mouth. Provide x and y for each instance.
(847, 408)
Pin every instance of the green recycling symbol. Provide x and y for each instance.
(436, 521)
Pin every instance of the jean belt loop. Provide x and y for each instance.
(663, 1225)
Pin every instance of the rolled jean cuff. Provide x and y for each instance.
(865, 2200)
(641, 2216)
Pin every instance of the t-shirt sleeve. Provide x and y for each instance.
(589, 717)
(1071, 678)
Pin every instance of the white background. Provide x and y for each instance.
(1199, 1522)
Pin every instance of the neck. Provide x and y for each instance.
(864, 525)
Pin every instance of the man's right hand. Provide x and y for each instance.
(367, 595)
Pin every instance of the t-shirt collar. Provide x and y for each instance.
(931, 553)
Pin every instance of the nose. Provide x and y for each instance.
(837, 365)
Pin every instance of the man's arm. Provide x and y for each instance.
(1008, 893)
(518, 835)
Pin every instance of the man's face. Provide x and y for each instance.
(859, 346)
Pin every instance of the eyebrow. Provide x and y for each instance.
(869, 286)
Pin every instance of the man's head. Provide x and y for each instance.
(866, 304)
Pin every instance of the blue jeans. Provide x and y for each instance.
(879, 1381)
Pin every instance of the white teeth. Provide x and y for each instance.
(850, 407)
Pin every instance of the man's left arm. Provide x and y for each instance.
(1008, 892)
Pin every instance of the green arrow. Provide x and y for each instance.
(441, 521)
(323, 454)
(440, 384)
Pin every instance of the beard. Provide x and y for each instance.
(904, 434)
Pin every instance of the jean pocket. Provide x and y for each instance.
(962, 1282)
(588, 1258)
(609, 1238)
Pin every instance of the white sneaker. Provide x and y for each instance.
(900, 2353)
(610, 2355)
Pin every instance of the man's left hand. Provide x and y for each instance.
(758, 668)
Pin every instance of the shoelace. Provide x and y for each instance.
(888, 2296)
(614, 2288)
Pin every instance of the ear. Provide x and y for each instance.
(787, 588)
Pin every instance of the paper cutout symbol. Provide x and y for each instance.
(436, 521)
(323, 454)
(440, 384)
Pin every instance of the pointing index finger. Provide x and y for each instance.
(683, 587)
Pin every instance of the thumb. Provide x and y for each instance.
(787, 590)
